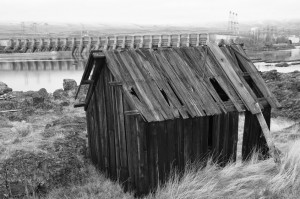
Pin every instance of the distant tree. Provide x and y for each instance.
(282, 39)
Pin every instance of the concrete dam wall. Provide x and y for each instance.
(86, 44)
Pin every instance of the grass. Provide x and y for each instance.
(96, 186)
(253, 179)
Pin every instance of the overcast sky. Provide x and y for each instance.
(147, 12)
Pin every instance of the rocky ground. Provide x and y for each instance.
(286, 88)
(43, 143)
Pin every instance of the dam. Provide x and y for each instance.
(85, 44)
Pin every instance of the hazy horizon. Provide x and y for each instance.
(155, 12)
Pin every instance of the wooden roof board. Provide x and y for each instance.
(208, 102)
(117, 70)
(203, 74)
(223, 81)
(235, 80)
(140, 88)
(152, 86)
(253, 72)
(162, 82)
(197, 61)
(176, 84)
(167, 83)
(182, 71)
(238, 71)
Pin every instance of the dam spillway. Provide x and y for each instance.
(79, 45)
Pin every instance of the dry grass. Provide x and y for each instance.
(254, 179)
(97, 186)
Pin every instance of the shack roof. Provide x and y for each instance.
(166, 83)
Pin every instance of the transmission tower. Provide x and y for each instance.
(233, 24)
(229, 22)
(46, 28)
(23, 28)
(236, 24)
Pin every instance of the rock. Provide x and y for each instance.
(65, 104)
(282, 64)
(83, 92)
(43, 92)
(60, 94)
(7, 105)
(69, 84)
(272, 75)
(4, 88)
(28, 93)
(37, 98)
(285, 87)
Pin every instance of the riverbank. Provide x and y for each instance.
(43, 145)
(286, 88)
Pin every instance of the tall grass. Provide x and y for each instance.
(95, 187)
(253, 179)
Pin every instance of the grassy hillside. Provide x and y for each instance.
(43, 154)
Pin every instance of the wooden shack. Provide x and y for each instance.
(150, 111)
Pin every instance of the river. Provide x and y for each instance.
(271, 58)
(25, 72)
(32, 71)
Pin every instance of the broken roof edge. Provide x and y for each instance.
(101, 54)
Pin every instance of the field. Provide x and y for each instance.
(43, 154)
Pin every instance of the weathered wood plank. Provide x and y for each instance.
(151, 155)
(204, 131)
(224, 137)
(233, 139)
(98, 124)
(143, 172)
(171, 132)
(116, 66)
(110, 125)
(162, 151)
(135, 152)
(161, 80)
(143, 89)
(253, 72)
(196, 139)
(154, 90)
(253, 138)
(128, 133)
(239, 72)
(117, 130)
(236, 82)
(180, 137)
(187, 136)
(216, 132)
(122, 136)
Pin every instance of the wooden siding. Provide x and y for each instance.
(253, 139)
(150, 112)
(140, 154)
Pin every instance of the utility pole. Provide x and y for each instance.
(229, 22)
(23, 28)
(46, 28)
(233, 24)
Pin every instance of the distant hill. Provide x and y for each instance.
(70, 29)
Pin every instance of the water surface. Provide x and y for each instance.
(24, 72)
(271, 58)
(32, 71)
